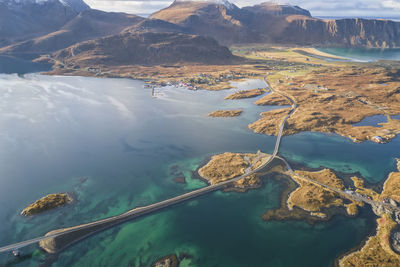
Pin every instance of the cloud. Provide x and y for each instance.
(360, 8)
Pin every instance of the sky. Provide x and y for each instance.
(334, 8)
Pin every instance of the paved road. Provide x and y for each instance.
(134, 213)
(108, 222)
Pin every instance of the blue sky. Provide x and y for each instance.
(357, 8)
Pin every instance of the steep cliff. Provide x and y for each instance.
(280, 24)
(344, 32)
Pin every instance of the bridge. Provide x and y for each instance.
(57, 240)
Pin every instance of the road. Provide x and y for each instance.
(136, 212)
(88, 229)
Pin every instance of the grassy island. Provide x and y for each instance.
(312, 197)
(48, 202)
(245, 94)
(227, 166)
(303, 199)
(226, 113)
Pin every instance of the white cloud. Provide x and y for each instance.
(377, 8)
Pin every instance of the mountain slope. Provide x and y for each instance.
(87, 25)
(24, 20)
(277, 10)
(145, 49)
(225, 22)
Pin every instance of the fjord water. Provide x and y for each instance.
(112, 145)
(364, 54)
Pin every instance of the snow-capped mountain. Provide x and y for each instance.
(226, 3)
(24, 19)
(75, 5)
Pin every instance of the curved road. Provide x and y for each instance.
(101, 225)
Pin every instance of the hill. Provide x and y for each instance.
(89, 24)
(148, 48)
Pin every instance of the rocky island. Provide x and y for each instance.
(245, 94)
(46, 203)
(226, 113)
(228, 166)
(167, 261)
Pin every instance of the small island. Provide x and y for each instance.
(46, 203)
(245, 94)
(226, 113)
(306, 199)
(228, 166)
(167, 261)
(314, 198)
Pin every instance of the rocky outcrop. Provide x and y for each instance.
(396, 242)
(46, 203)
(344, 32)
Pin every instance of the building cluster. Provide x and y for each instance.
(196, 82)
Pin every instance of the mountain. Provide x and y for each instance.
(76, 5)
(277, 10)
(38, 27)
(27, 19)
(156, 25)
(277, 24)
(343, 32)
(221, 20)
(148, 48)
(88, 24)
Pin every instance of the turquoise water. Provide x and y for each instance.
(364, 54)
(113, 146)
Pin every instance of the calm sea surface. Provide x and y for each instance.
(112, 145)
(364, 54)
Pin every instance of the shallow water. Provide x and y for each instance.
(112, 145)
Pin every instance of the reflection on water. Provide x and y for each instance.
(9, 64)
(111, 144)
